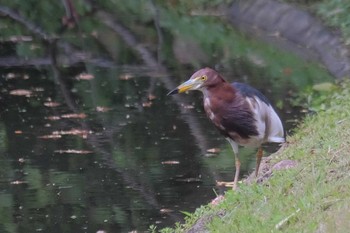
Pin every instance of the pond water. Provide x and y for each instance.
(99, 147)
(73, 162)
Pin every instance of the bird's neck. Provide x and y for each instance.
(224, 91)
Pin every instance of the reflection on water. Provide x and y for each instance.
(104, 152)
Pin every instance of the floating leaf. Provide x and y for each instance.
(38, 89)
(74, 115)
(70, 151)
(102, 109)
(189, 180)
(147, 104)
(21, 160)
(20, 38)
(79, 132)
(21, 92)
(85, 76)
(188, 106)
(170, 162)
(125, 77)
(18, 182)
(51, 104)
(53, 118)
(164, 211)
(214, 150)
(151, 97)
(209, 155)
(51, 136)
(10, 76)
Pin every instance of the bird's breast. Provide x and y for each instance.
(215, 111)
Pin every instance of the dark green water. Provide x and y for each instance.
(111, 169)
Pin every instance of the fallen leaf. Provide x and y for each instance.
(217, 200)
(324, 87)
(38, 89)
(85, 76)
(188, 106)
(170, 162)
(287, 71)
(151, 97)
(189, 180)
(209, 155)
(125, 77)
(70, 151)
(53, 118)
(20, 38)
(164, 211)
(21, 92)
(51, 104)
(18, 182)
(214, 150)
(102, 109)
(18, 131)
(147, 104)
(74, 115)
(79, 132)
(10, 76)
(51, 136)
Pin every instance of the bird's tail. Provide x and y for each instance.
(276, 139)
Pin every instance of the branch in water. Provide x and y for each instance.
(35, 29)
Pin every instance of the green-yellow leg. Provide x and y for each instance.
(233, 184)
(235, 179)
(259, 155)
(238, 168)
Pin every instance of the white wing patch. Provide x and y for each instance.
(268, 123)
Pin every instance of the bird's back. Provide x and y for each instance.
(268, 123)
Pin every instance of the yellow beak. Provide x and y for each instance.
(188, 85)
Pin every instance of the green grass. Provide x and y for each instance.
(336, 14)
(312, 197)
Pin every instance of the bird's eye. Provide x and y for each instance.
(204, 77)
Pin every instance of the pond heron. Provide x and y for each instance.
(241, 113)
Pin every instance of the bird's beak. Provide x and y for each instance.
(188, 85)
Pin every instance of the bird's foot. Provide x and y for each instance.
(217, 200)
(231, 184)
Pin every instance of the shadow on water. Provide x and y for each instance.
(89, 139)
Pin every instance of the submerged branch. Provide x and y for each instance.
(35, 29)
(73, 59)
(128, 38)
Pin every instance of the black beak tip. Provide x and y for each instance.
(173, 92)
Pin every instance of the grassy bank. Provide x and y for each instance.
(314, 196)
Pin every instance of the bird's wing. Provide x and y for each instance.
(238, 119)
(266, 117)
(248, 91)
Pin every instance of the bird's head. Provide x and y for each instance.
(200, 80)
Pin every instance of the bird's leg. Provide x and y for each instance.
(235, 179)
(259, 155)
(238, 168)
